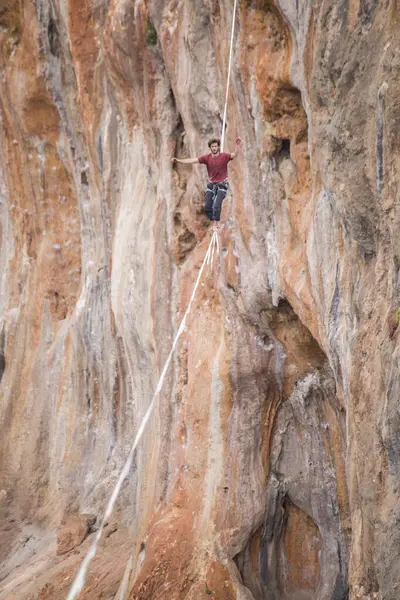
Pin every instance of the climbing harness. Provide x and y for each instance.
(80, 578)
(214, 187)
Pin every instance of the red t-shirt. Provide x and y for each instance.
(217, 167)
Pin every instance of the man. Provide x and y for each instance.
(217, 169)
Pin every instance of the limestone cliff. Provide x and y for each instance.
(270, 469)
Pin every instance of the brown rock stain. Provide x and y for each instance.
(42, 215)
(352, 13)
(85, 51)
(269, 417)
(336, 451)
(301, 546)
(218, 583)
(168, 553)
(268, 65)
(11, 26)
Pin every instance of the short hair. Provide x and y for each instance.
(214, 141)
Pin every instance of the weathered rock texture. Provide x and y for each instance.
(270, 469)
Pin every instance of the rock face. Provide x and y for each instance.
(270, 468)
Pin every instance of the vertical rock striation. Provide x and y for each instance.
(269, 470)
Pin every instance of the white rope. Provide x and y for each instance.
(229, 77)
(217, 244)
(80, 578)
(213, 244)
(212, 252)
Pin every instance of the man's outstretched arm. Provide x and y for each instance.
(237, 148)
(185, 161)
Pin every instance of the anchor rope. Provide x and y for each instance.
(80, 578)
(228, 81)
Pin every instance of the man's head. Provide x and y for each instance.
(214, 145)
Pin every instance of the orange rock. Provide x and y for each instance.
(73, 531)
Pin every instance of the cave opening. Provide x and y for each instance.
(2, 357)
(53, 36)
(284, 151)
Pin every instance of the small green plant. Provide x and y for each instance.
(207, 591)
(151, 34)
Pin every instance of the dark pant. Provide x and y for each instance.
(215, 193)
